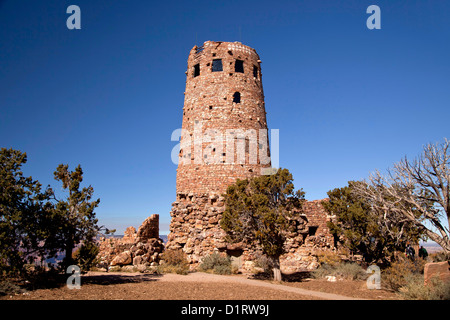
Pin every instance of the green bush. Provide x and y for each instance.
(322, 271)
(174, 261)
(415, 289)
(439, 257)
(347, 271)
(264, 263)
(327, 257)
(351, 271)
(216, 263)
(86, 256)
(8, 287)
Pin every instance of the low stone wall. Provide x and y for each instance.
(196, 230)
(312, 235)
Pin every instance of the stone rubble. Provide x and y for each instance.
(140, 249)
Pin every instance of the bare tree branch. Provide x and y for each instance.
(416, 190)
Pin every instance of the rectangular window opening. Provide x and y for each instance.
(312, 230)
(217, 65)
(239, 66)
(255, 72)
(237, 97)
(196, 70)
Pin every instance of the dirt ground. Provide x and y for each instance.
(201, 286)
(356, 289)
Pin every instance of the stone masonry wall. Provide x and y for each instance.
(223, 138)
(312, 235)
(196, 229)
(216, 124)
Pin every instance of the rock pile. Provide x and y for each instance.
(140, 248)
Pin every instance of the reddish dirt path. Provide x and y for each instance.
(194, 286)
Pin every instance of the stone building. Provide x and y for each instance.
(224, 137)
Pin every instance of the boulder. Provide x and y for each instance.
(138, 260)
(122, 259)
(440, 269)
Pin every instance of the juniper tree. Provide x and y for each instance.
(34, 225)
(75, 214)
(260, 211)
(362, 229)
(25, 216)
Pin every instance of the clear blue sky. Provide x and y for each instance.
(347, 100)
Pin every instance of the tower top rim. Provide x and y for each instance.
(231, 45)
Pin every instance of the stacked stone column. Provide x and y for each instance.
(224, 138)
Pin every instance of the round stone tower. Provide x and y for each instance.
(223, 138)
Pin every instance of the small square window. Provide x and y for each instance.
(217, 65)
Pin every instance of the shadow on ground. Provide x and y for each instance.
(107, 279)
(286, 277)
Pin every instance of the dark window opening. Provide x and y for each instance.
(312, 230)
(213, 54)
(255, 71)
(196, 70)
(210, 107)
(217, 65)
(237, 97)
(239, 66)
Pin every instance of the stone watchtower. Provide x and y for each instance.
(224, 137)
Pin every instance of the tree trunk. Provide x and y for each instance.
(68, 261)
(276, 268)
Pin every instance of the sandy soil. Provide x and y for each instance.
(200, 286)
